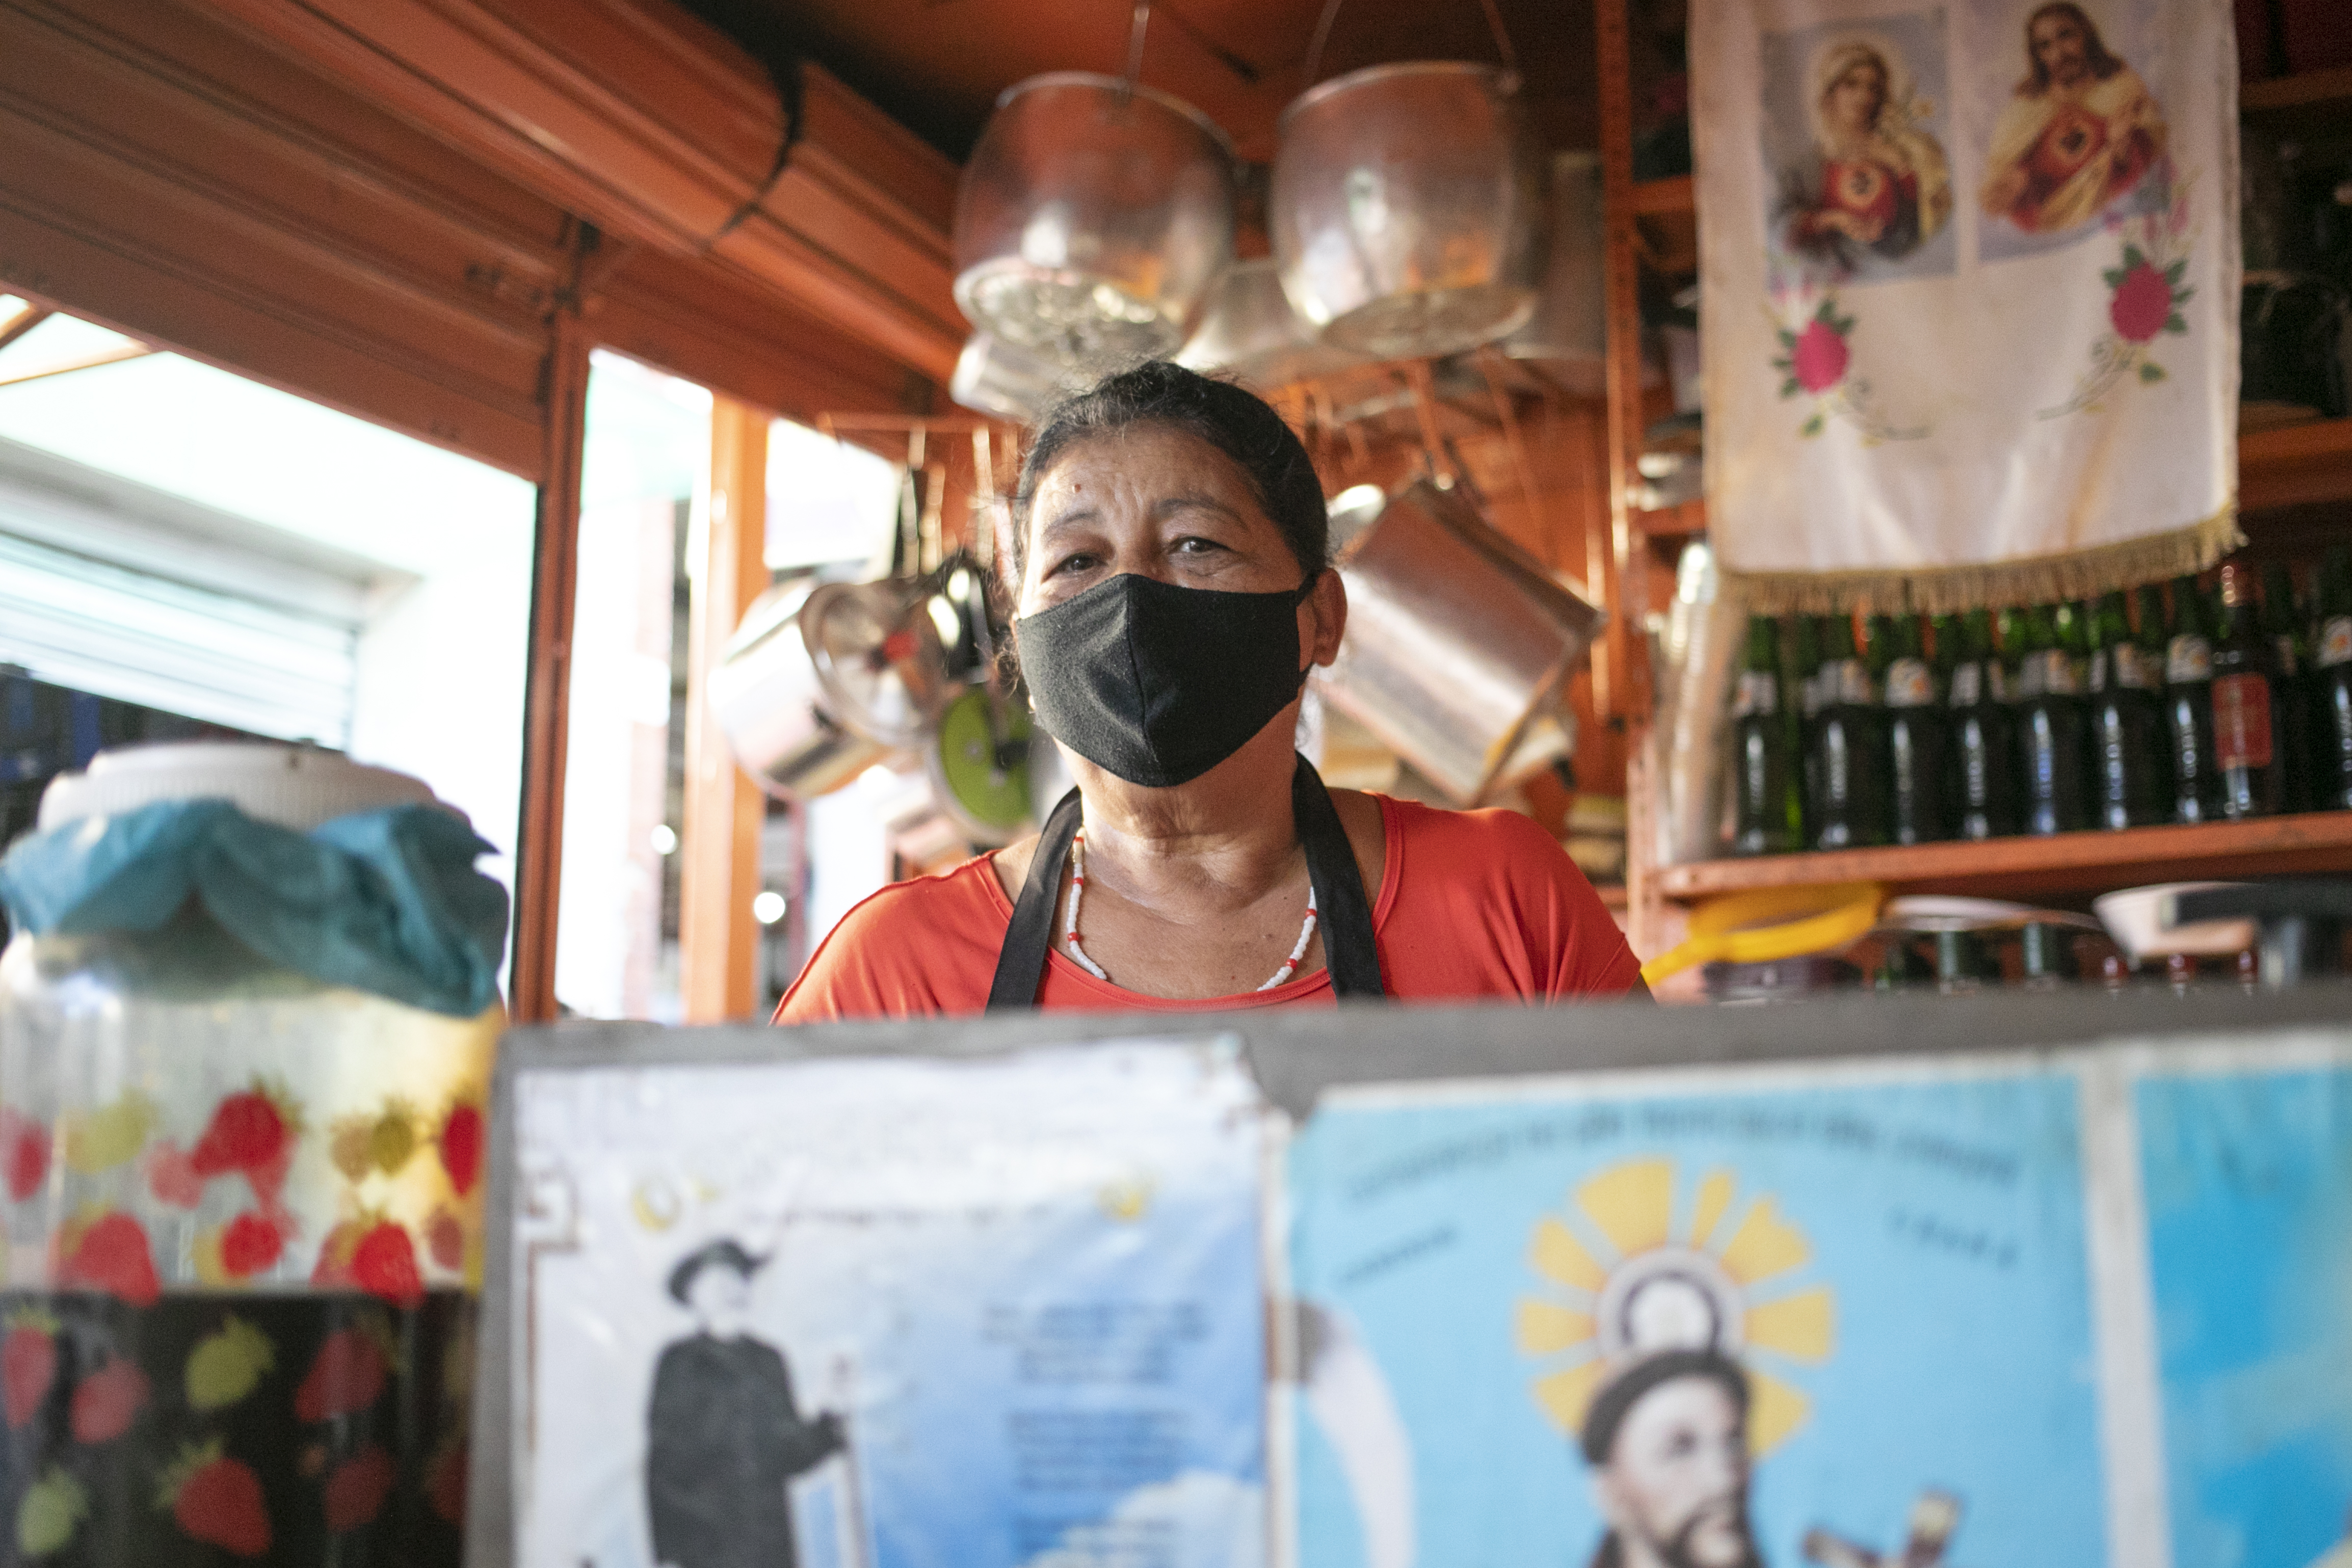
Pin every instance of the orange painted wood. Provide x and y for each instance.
(638, 117)
(2064, 863)
(2295, 464)
(719, 849)
(539, 862)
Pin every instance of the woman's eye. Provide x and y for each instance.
(1073, 563)
(1192, 544)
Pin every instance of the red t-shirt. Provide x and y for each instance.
(1473, 904)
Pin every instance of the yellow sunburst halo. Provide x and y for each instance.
(1637, 1283)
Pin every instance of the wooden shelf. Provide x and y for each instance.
(1677, 195)
(2294, 464)
(2309, 92)
(2065, 863)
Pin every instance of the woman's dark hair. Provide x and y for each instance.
(1239, 423)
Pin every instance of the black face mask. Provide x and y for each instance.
(1159, 683)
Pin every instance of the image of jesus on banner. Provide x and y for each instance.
(2080, 130)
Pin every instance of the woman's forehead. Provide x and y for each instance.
(1147, 462)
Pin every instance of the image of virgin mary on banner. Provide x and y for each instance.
(1872, 186)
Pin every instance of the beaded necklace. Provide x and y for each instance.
(1077, 891)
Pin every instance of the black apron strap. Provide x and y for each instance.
(1020, 964)
(1350, 953)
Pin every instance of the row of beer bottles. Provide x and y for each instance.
(2115, 714)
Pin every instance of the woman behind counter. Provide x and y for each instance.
(1172, 585)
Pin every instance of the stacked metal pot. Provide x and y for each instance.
(1410, 214)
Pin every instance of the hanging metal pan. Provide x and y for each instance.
(1407, 208)
(1092, 218)
(820, 683)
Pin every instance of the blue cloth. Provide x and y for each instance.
(387, 902)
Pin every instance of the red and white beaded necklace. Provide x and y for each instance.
(1078, 888)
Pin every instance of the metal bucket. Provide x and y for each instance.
(1407, 208)
(820, 683)
(1569, 327)
(1250, 332)
(1092, 218)
(1456, 638)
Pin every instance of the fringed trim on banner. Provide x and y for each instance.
(2035, 580)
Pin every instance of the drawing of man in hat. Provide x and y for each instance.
(724, 1436)
(1667, 1440)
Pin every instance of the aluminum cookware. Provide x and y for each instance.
(1092, 218)
(1248, 330)
(820, 683)
(1407, 208)
(1003, 379)
(1456, 638)
(1569, 327)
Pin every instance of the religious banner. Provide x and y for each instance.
(1969, 279)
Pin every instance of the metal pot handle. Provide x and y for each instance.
(1323, 35)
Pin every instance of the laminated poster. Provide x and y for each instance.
(2248, 1183)
(1843, 1317)
(884, 1313)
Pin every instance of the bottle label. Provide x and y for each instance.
(2049, 673)
(1849, 682)
(2242, 722)
(2188, 659)
(1759, 693)
(1996, 681)
(1909, 683)
(2335, 640)
(1968, 686)
(1809, 693)
(2125, 668)
(2285, 646)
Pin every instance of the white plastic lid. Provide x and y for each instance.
(296, 787)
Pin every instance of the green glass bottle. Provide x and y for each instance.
(2247, 757)
(1848, 745)
(2290, 686)
(2331, 787)
(1918, 737)
(1765, 816)
(1982, 742)
(2189, 705)
(2052, 739)
(2124, 713)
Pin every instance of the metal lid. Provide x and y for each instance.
(296, 787)
(1118, 84)
(1505, 82)
(878, 657)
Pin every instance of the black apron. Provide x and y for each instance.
(1348, 953)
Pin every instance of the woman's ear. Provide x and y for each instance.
(1329, 606)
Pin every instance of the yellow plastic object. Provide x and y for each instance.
(1772, 922)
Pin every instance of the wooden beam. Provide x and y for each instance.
(720, 851)
(113, 356)
(538, 860)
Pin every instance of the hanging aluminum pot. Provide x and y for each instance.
(1407, 208)
(1092, 218)
(820, 683)
(1248, 330)
(1569, 327)
(1457, 639)
(1004, 379)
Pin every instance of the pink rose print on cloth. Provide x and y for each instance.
(1816, 357)
(2146, 291)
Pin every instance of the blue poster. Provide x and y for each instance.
(2248, 1183)
(1715, 1326)
(874, 1314)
